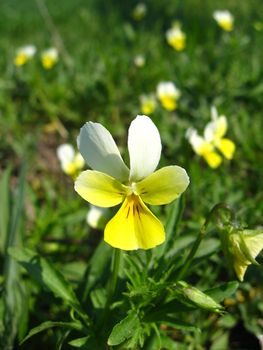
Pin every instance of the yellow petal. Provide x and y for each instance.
(213, 159)
(169, 103)
(240, 269)
(254, 241)
(134, 226)
(21, 59)
(100, 189)
(163, 186)
(227, 148)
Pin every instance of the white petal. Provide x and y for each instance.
(144, 144)
(65, 153)
(215, 129)
(100, 152)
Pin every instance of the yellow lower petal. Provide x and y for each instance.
(169, 103)
(148, 107)
(20, 59)
(163, 186)
(213, 159)
(48, 62)
(227, 148)
(178, 43)
(226, 25)
(100, 189)
(134, 226)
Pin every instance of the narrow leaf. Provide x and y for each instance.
(4, 208)
(79, 342)
(223, 291)
(46, 275)
(49, 324)
(124, 329)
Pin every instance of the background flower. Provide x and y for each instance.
(24, 54)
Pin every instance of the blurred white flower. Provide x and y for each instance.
(71, 161)
(148, 104)
(95, 216)
(139, 61)
(139, 11)
(168, 94)
(24, 54)
(176, 37)
(49, 57)
(224, 19)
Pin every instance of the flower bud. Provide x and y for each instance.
(192, 295)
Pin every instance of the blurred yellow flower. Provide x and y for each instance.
(71, 162)
(24, 54)
(49, 58)
(148, 104)
(168, 94)
(203, 148)
(176, 37)
(139, 11)
(139, 61)
(213, 140)
(215, 132)
(224, 19)
(111, 182)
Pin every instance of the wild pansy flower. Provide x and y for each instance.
(148, 104)
(212, 141)
(139, 61)
(224, 19)
(203, 148)
(241, 247)
(139, 11)
(176, 37)
(168, 94)
(214, 133)
(49, 58)
(111, 182)
(24, 54)
(95, 216)
(71, 162)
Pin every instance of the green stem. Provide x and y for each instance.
(190, 257)
(114, 277)
(115, 265)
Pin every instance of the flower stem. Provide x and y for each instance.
(190, 256)
(115, 264)
(114, 277)
(215, 210)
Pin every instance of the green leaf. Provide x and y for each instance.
(15, 298)
(207, 247)
(223, 291)
(46, 275)
(173, 220)
(50, 324)
(124, 329)
(79, 342)
(4, 208)
(178, 324)
(98, 267)
(99, 298)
